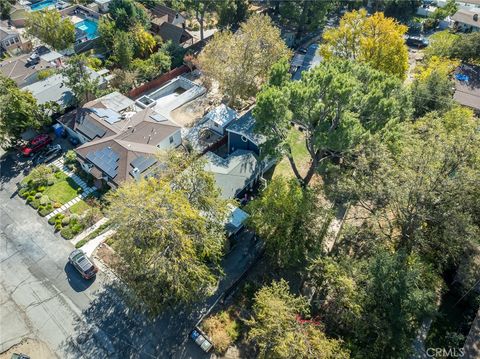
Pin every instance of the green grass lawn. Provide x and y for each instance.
(62, 191)
(300, 154)
(79, 207)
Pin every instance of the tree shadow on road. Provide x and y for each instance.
(12, 165)
(120, 330)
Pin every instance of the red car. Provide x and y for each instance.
(36, 144)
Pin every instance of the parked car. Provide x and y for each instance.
(19, 356)
(50, 153)
(417, 41)
(36, 144)
(82, 263)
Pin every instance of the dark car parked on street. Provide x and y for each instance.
(82, 263)
(36, 144)
(50, 153)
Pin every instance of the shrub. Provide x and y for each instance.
(44, 200)
(70, 157)
(44, 211)
(222, 330)
(56, 169)
(79, 190)
(23, 192)
(38, 195)
(58, 226)
(39, 175)
(58, 175)
(35, 203)
(41, 189)
(50, 182)
(30, 198)
(81, 243)
(65, 221)
(57, 205)
(67, 233)
(76, 228)
(71, 166)
(51, 220)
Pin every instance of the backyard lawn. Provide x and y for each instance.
(300, 154)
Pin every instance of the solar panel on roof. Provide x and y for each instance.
(107, 114)
(143, 162)
(90, 129)
(106, 159)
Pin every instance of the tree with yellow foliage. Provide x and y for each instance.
(240, 62)
(376, 40)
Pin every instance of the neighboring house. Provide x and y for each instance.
(169, 25)
(11, 40)
(18, 15)
(305, 62)
(467, 20)
(103, 5)
(467, 86)
(54, 89)
(129, 154)
(103, 117)
(24, 69)
(242, 168)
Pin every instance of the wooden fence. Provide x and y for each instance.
(156, 83)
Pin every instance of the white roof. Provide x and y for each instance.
(221, 115)
(51, 56)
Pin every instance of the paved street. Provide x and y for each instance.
(45, 298)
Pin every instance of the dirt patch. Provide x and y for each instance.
(107, 255)
(34, 348)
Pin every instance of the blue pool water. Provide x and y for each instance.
(89, 26)
(42, 5)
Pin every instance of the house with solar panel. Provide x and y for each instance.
(129, 154)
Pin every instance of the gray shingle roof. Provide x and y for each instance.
(245, 126)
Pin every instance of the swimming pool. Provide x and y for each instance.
(89, 27)
(42, 5)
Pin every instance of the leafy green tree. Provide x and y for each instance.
(106, 32)
(175, 51)
(201, 8)
(336, 103)
(154, 66)
(238, 71)
(51, 28)
(303, 15)
(279, 332)
(5, 8)
(376, 303)
(143, 42)
(128, 13)
(231, 12)
(289, 220)
(123, 49)
(441, 44)
(399, 9)
(467, 48)
(418, 186)
(19, 112)
(376, 40)
(433, 87)
(169, 236)
(78, 77)
(40, 175)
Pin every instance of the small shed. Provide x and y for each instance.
(219, 118)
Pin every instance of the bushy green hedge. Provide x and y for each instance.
(81, 243)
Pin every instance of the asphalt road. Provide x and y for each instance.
(43, 297)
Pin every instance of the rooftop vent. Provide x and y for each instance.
(475, 17)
